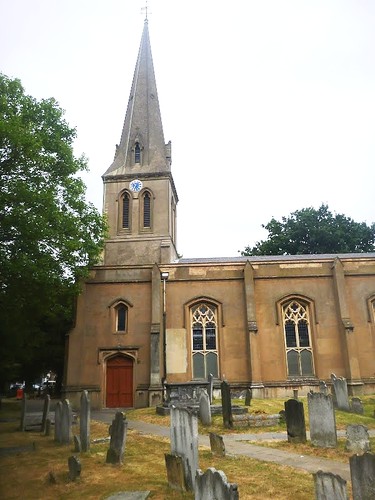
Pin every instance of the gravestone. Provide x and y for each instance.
(323, 387)
(77, 443)
(295, 421)
(204, 408)
(47, 401)
(340, 389)
(322, 420)
(248, 396)
(74, 468)
(356, 406)
(329, 486)
(175, 472)
(23, 413)
(211, 387)
(184, 441)
(295, 393)
(84, 421)
(58, 423)
(357, 438)
(213, 485)
(226, 405)
(362, 473)
(117, 443)
(47, 431)
(66, 422)
(217, 445)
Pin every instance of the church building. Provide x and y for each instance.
(146, 317)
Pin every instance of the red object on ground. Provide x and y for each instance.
(19, 394)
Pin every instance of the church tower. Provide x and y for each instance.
(140, 197)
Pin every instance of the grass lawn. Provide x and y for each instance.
(26, 474)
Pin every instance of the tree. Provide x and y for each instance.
(49, 234)
(311, 231)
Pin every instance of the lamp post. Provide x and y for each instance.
(164, 277)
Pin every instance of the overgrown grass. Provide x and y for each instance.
(26, 474)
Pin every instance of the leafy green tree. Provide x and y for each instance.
(49, 234)
(311, 231)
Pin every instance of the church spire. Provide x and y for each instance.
(142, 148)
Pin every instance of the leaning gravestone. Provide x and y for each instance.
(340, 389)
(295, 421)
(213, 485)
(204, 408)
(362, 473)
(211, 387)
(356, 406)
(322, 420)
(227, 405)
(118, 430)
(84, 421)
(357, 438)
(217, 445)
(23, 413)
(66, 422)
(58, 417)
(74, 468)
(47, 401)
(184, 441)
(329, 486)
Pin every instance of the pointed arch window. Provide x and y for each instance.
(204, 340)
(126, 211)
(147, 210)
(297, 336)
(137, 153)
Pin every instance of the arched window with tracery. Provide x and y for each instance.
(137, 153)
(297, 335)
(204, 340)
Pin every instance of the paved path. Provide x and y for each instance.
(236, 444)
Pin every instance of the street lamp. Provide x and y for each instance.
(164, 277)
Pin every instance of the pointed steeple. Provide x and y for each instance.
(142, 148)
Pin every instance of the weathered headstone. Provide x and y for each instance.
(184, 441)
(295, 421)
(248, 396)
(356, 406)
(84, 421)
(58, 422)
(362, 473)
(47, 401)
(227, 405)
(211, 387)
(322, 420)
(175, 472)
(329, 486)
(74, 468)
(340, 388)
(213, 485)
(47, 431)
(115, 453)
(23, 413)
(204, 408)
(323, 387)
(77, 443)
(66, 422)
(217, 445)
(357, 438)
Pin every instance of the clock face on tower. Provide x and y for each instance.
(135, 185)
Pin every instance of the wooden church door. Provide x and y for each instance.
(119, 382)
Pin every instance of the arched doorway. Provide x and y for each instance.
(119, 392)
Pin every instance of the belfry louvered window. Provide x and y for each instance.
(299, 353)
(137, 153)
(204, 340)
(126, 211)
(146, 210)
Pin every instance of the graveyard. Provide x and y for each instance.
(35, 463)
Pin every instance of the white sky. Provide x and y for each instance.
(269, 104)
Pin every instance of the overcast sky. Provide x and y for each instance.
(269, 104)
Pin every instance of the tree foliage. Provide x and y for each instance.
(49, 234)
(311, 231)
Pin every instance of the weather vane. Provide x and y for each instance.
(145, 10)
